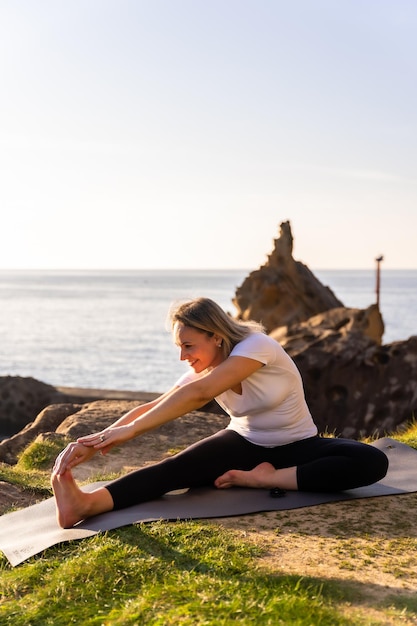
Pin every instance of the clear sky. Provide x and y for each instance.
(180, 133)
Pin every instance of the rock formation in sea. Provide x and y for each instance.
(354, 385)
(283, 291)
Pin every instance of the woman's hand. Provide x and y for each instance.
(85, 447)
(106, 439)
(74, 454)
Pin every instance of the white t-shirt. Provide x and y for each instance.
(271, 411)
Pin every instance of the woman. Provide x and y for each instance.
(270, 442)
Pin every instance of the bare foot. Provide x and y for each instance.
(71, 503)
(261, 476)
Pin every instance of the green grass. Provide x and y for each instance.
(408, 435)
(32, 470)
(168, 573)
(160, 574)
(41, 455)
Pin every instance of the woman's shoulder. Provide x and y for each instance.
(257, 338)
(255, 343)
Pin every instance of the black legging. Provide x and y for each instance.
(323, 464)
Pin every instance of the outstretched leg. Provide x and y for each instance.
(73, 504)
(199, 465)
(263, 476)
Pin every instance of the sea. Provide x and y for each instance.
(107, 329)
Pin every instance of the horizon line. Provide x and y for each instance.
(190, 269)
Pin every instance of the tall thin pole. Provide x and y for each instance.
(378, 277)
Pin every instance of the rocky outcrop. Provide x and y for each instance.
(48, 420)
(21, 399)
(350, 327)
(283, 291)
(354, 386)
(67, 422)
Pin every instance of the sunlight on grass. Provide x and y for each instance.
(409, 435)
(41, 454)
(161, 573)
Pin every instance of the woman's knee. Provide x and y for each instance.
(378, 464)
(343, 464)
(368, 462)
(374, 461)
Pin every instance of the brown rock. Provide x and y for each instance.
(354, 386)
(21, 399)
(46, 421)
(344, 323)
(283, 291)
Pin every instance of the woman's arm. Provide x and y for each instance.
(179, 401)
(140, 410)
(173, 404)
(82, 450)
(122, 422)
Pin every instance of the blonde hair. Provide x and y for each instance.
(207, 316)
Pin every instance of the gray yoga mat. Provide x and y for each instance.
(27, 532)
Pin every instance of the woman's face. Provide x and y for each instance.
(197, 348)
